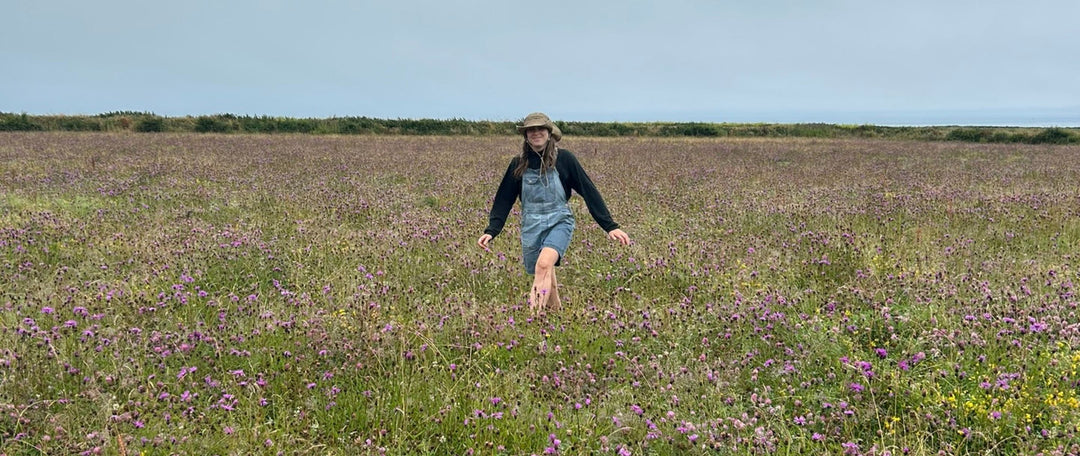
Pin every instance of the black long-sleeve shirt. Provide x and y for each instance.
(573, 177)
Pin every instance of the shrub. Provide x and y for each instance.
(213, 124)
(969, 135)
(699, 129)
(1052, 136)
(12, 122)
(151, 124)
(80, 124)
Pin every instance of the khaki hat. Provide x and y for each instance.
(539, 119)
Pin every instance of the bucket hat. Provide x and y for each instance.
(539, 119)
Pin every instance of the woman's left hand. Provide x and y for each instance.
(619, 235)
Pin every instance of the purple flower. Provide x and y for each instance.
(881, 353)
(858, 388)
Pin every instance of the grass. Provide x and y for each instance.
(190, 294)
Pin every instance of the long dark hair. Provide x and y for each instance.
(548, 156)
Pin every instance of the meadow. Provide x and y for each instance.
(292, 294)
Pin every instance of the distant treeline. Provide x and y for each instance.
(146, 122)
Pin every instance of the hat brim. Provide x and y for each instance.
(552, 128)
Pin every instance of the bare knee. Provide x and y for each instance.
(545, 264)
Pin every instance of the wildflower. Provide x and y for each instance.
(881, 353)
(858, 388)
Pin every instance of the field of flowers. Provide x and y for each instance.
(240, 294)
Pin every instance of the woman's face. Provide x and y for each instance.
(537, 136)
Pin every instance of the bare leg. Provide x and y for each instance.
(554, 301)
(544, 278)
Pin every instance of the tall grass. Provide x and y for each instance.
(214, 294)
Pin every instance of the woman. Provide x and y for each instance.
(542, 177)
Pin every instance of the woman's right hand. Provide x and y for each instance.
(483, 241)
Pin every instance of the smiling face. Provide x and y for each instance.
(537, 137)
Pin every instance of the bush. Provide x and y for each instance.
(213, 124)
(289, 125)
(152, 124)
(80, 124)
(969, 135)
(1052, 136)
(700, 129)
(13, 122)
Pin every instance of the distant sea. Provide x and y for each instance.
(908, 118)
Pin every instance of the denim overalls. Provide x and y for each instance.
(546, 220)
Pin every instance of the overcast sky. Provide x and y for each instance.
(912, 62)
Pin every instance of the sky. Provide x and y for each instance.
(913, 62)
